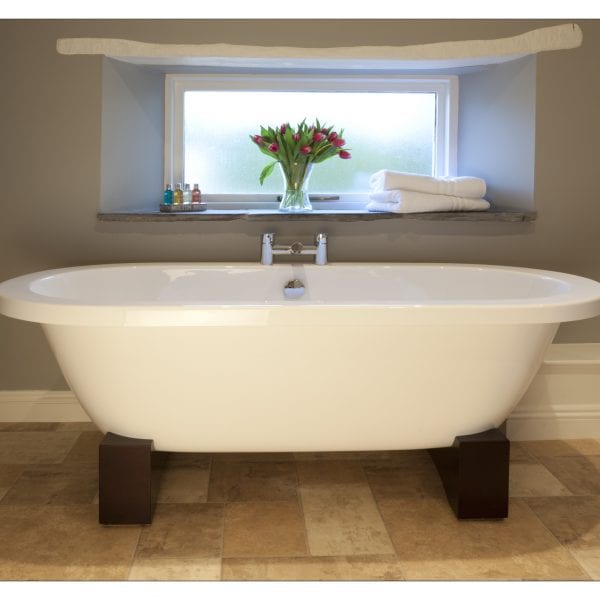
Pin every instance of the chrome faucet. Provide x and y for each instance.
(269, 249)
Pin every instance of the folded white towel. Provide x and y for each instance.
(406, 201)
(465, 187)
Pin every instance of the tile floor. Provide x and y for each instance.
(312, 516)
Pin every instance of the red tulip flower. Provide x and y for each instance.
(294, 147)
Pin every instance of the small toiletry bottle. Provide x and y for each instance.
(196, 193)
(168, 195)
(187, 194)
(178, 194)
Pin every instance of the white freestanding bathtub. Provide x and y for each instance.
(212, 357)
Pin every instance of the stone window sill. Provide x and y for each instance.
(496, 215)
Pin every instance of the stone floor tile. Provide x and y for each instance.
(183, 531)
(526, 479)
(393, 481)
(431, 544)
(77, 426)
(86, 448)
(342, 520)
(364, 455)
(30, 447)
(327, 472)
(176, 569)
(575, 522)
(321, 568)
(254, 529)
(252, 456)
(54, 484)
(184, 483)
(9, 474)
(187, 459)
(548, 448)
(234, 481)
(580, 474)
(520, 454)
(25, 426)
(63, 543)
(402, 458)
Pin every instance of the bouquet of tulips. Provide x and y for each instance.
(304, 144)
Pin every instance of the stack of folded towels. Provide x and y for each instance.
(395, 191)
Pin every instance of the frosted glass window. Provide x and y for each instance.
(382, 130)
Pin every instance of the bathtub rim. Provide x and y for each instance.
(582, 301)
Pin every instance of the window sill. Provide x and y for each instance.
(506, 216)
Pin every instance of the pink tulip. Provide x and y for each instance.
(305, 149)
(273, 147)
(257, 139)
(332, 136)
(345, 154)
(318, 136)
(338, 142)
(296, 137)
(283, 128)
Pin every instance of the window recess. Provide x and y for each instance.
(493, 140)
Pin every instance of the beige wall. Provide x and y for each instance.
(50, 160)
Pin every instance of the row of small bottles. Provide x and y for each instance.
(181, 196)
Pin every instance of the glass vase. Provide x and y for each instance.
(295, 197)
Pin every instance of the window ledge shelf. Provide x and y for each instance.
(505, 216)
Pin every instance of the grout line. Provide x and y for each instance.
(210, 469)
(561, 545)
(383, 521)
(134, 554)
(301, 505)
(224, 510)
(556, 475)
(583, 568)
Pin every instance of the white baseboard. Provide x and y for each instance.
(40, 406)
(562, 402)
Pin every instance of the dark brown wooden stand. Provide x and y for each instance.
(474, 471)
(128, 478)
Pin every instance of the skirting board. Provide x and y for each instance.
(562, 402)
(40, 406)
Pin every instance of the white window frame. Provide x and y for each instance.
(446, 129)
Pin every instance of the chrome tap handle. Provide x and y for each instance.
(266, 257)
(321, 244)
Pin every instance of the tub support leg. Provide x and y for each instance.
(126, 490)
(474, 471)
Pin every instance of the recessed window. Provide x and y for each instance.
(402, 123)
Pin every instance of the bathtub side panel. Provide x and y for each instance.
(278, 388)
